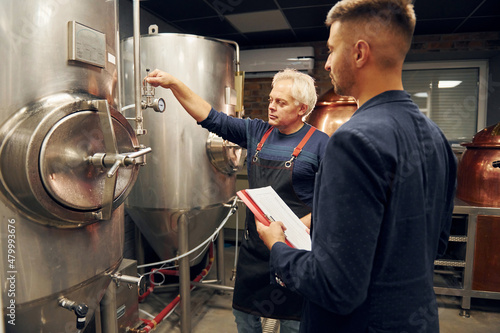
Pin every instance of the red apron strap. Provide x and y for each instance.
(264, 138)
(302, 143)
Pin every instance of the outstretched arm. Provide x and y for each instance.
(196, 106)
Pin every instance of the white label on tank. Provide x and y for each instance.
(111, 59)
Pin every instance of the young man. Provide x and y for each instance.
(384, 193)
(270, 161)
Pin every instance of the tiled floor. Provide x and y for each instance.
(211, 310)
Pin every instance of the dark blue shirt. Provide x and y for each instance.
(382, 212)
(278, 147)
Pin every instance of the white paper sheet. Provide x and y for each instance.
(276, 209)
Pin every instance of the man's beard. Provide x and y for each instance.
(342, 90)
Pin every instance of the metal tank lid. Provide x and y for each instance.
(486, 138)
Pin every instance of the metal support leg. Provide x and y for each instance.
(184, 275)
(139, 249)
(221, 277)
(108, 310)
(469, 264)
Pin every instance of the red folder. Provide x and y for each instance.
(257, 212)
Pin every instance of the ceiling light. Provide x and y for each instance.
(421, 95)
(259, 21)
(448, 84)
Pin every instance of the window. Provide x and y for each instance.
(452, 94)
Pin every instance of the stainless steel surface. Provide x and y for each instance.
(127, 310)
(179, 177)
(66, 184)
(160, 227)
(225, 156)
(52, 138)
(109, 322)
(49, 124)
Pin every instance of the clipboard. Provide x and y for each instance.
(267, 206)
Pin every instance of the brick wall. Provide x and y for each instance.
(482, 41)
(257, 90)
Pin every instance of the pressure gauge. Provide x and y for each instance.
(159, 105)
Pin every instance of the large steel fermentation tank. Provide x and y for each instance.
(191, 172)
(61, 204)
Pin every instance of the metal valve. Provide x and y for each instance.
(115, 161)
(80, 310)
(140, 282)
(148, 91)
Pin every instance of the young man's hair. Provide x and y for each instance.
(396, 16)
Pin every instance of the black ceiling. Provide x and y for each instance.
(304, 19)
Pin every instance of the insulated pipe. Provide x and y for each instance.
(139, 125)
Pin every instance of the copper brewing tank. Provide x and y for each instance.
(479, 185)
(478, 181)
(331, 112)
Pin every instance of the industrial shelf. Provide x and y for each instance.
(464, 265)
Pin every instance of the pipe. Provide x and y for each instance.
(237, 51)
(152, 283)
(109, 322)
(233, 276)
(184, 275)
(137, 69)
(221, 276)
(153, 323)
(239, 78)
(212, 286)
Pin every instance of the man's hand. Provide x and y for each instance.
(271, 234)
(160, 78)
(307, 222)
(196, 106)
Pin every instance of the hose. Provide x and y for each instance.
(151, 324)
(212, 238)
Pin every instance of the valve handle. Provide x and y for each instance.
(80, 311)
(124, 159)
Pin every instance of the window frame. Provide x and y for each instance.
(482, 65)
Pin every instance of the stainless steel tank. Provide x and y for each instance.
(191, 174)
(61, 142)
